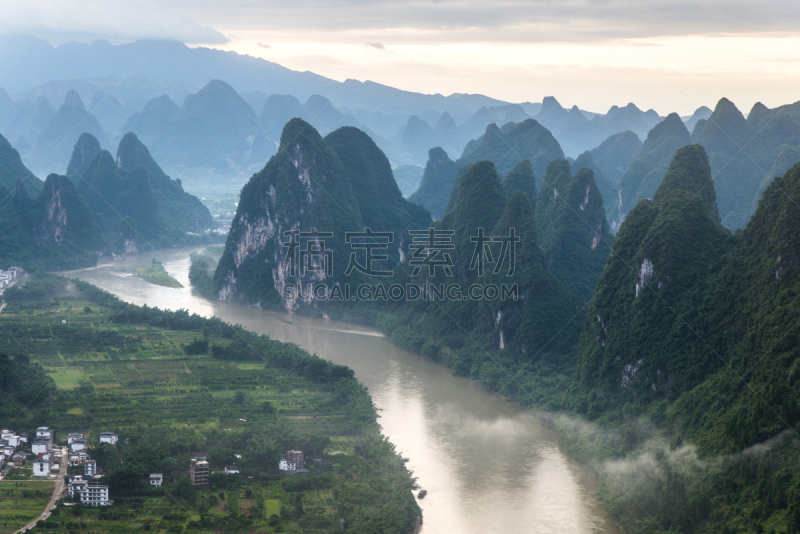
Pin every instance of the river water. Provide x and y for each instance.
(488, 466)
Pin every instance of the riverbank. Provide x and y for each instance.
(472, 450)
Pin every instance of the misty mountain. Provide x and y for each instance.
(109, 111)
(408, 178)
(646, 172)
(135, 203)
(213, 129)
(437, 182)
(12, 170)
(506, 146)
(26, 61)
(22, 121)
(576, 132)
(701, 113)
(53, 149)
(742, 153)
(614, 155)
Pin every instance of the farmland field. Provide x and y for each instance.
(21, 502)
(176, 387)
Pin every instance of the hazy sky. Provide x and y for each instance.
(669, 55)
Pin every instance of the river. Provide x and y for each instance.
(487, 465)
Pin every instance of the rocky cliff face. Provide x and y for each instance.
(290, 225)
(54, 225)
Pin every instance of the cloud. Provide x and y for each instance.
(88, 20)
(263, 45)
(420, 21)
(376, 46)
(517, 21)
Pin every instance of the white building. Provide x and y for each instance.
(8, 450)
(46, 434)
(108, 437)
(40, 446)
(41, 467)
(90, 468)
(75, 436)
(231, 470)
(78, 458)
(91, 493)
(5, 433)
(156, 479)
(286, 465)
(78, 445)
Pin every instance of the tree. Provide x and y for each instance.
(239, 398)
(185, 490)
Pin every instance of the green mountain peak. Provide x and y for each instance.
(521, 178)
(690, 172)
(84, 152)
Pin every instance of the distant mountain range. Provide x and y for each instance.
(126, 84)
(209, 114)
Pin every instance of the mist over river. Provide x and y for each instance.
(488, 466)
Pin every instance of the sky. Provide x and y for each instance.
(669, 55)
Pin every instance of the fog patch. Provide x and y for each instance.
(468, 425)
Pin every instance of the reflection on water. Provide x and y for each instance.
(488, 466)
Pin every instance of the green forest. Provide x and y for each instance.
(668, 350)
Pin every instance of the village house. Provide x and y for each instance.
(285, 465)
(42, 465)
(13, 440)
(75, 436)
(47, 434)
(78, 458)
(296, 457)
(8, 450)
(40, 446)
(291, 461)
(231, 470)
(90, 468)
(199, 472)
(156, 479)
(91, 491)
(108, 437)
(78, 445)
(23, 437)
(19, 458)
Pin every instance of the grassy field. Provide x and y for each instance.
(156, 274)
(21, 502)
